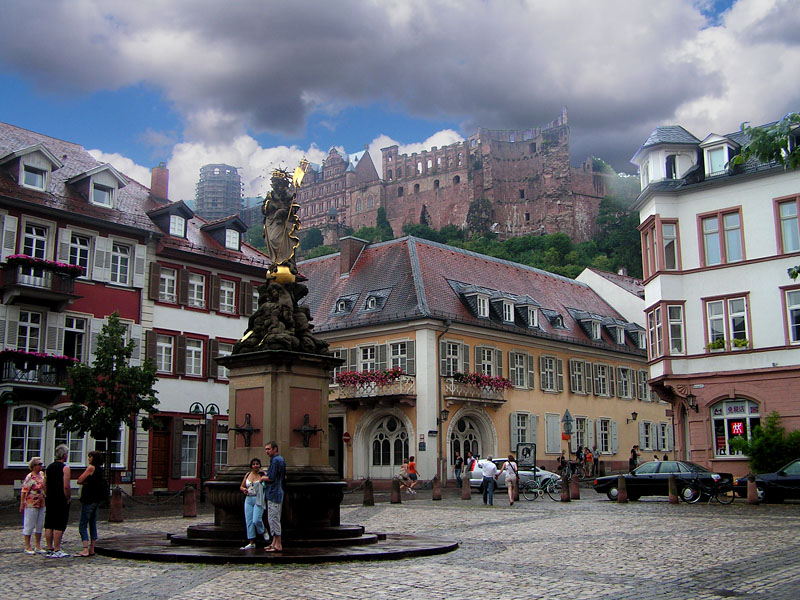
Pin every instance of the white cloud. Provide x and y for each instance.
(124, 165)
(439, 139)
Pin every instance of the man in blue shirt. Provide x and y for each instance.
(274, 494)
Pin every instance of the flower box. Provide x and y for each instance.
(23, 260)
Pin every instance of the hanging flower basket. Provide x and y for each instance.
(24, 359)
(23, 260)
(364, 378)
(483, 381)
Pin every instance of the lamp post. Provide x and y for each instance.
(203, 411)
(443, 414)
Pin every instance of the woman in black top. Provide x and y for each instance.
(94, 488)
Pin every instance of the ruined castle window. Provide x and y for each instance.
(370, 201)
(430, 163)
(457, 178)
(400, 191)
(522, 193)
(419, 168)
(532, 147)
(527, 217)
(358, 205)
(416, 188)
(436, 184)
(471, 143)
(459, 156)
(439, 162)
(336, 187)
(390, 174)
(389, 158)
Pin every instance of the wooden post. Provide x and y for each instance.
(565, 495)
(189, 502)
(466, 493)
(115, 511)
(622, 490)
(673, 489)
(395, 497)
(369, 493)
(574, 489)
(752, 490)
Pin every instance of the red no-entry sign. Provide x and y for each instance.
(346, 437)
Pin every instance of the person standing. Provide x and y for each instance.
(588, 457)
(489, 479)
(59, 495)
(254, 504)
(31, 505)
(510, 469)
(413, 474)
(469, 463)
(457, 466)
(633, 461)
(92, 494)
(274, 493)
(596, 463)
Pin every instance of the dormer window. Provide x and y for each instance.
(594, 328)
(715, 160)
(558, 321)
(177, 226)
(641, 340)
(232, 239)
(533, 317)
(620, 336)
(508, 311)
(341, 306)
(483, 306)
(372, 303)
(102, 195)
(33, 177)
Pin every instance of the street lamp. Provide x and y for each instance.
(204, 412)
(692, 400)
(634, 416)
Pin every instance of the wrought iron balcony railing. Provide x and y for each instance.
(454, 391)
(16, 371)
(402, 389)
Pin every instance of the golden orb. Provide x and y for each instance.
(283, 275)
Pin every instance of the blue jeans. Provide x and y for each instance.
(88, 517)
(488, 489)
(458, 477)
(253, 516)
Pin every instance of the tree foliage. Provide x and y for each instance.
(255, 237)
(320, 251)
(110, 391)
(770, 447)
(311, 239)
(383, 225)
(771, 143)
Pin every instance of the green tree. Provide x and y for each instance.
(319, 251)
(255, 237)
(312, 239)
(770, 447)
(771, 143)
(110, 391)
(383, 225)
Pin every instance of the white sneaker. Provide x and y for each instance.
(266, 536)
(29, 552)
(249, 546)
(58, 554)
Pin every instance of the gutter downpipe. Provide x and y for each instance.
(440, 467)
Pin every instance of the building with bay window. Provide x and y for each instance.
(722, 315)
(451, 323)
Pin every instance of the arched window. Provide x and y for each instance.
(370, 201)
(358, 205)
(27, 431)
(733, 419)
(436, 184)
(416, 188)
(671, 171)
(457, 179)
(389, 443)
(400, 191)
(390, 175)
(465, 438)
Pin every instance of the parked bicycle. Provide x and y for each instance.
(718, 489)
(536, 488)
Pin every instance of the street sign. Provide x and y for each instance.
(567, 421)
(346, 437)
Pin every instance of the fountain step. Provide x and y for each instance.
(213, 532)
(367, 538)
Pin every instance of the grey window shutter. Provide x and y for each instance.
(514, 437)
(587, 375)
(136, 338)
(139, 260)
(183, 287)
(64, 238)
(382, 357)
(543, 382)
(177, 439)
(95, 327)
(534, 425)
(596, 372)
(443, 359)
(611, 386)
(155, 281)
(589, 433)
(9, 236)
(531, 360)
(411, 361)
(642, 425)
(54, 340)
(478, 362)
(670, 440)
(465, 347)
(655, 430)
(572, 375)
(614, 438)
(559, 375)
(619, 381)
(353, 362)
(12, 326)
(498, 357)
(573, 443)
(180, 355)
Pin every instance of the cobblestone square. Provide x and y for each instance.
(590, 548)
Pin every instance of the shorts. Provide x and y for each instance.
(413, 476)
(33, 520)
(56, 517)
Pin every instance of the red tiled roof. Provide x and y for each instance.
(627, 283)
(418, 271)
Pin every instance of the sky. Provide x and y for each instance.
(259, 84)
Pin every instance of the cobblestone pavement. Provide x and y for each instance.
(543, 549)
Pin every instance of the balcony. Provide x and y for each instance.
(402, 390)
(33, 375)
(41, 282)
(469, 393)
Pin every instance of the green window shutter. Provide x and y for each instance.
(513, 433)
(381, 357)
(614, 438)
(498, 358)
(443, 359)
(411, 361)
(559, 375)
(465, 347)
(611, 386)
(542, 382)
(531, 359)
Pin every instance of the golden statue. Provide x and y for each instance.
(281, 223)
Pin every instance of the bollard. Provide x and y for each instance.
(115, 510)
(673, 489)
(369, 493)
(752, 490)
(601, 468)
(622, 490)
(565, 490)
(574, 489)
(466, 493)
(436, 494)
(395, 497)
(189, 502)
(516, 490)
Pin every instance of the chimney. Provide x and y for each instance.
(159, 181)
(349, 250)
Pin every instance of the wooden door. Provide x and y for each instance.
(159, 458)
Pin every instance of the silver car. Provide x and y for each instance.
(525, 474)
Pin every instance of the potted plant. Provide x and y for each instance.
(717, 344)
(23, 260)
(740, 342)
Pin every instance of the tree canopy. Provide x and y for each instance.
(771, 143)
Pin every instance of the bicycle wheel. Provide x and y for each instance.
(691, 493)
(553, 489)
(531, 490)
(725, 493)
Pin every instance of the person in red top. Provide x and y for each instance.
(413, 474)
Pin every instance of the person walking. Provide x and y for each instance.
(489, 479)
(404, 479)
(588, 457)
(413, 474)
(469, 463)
(512, 477)
(93, 492)
(633, 461)
(596, 463)
(254, 504)
(59, 495)
(274, 494)
(31, 505)
(457, 466)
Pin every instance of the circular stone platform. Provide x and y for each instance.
(160, 547)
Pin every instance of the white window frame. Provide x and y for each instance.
(486, 356)
(36, 171)
(676, 329)
(29, 427)
(177, 225)
(29, 330)
(577, 376)
(398, 355)
(227, 296)
(604, 435)
(75, 443)
(790, 233)
(482, 303)
(620, 335)
(508, 311)
(367, 358)
(454, 359)
(197, 290)
(120, 442)
(80, 254)
(533, 317)
(662, 431)
(168, 285)
(625, 382)
(523, 420)
(232, 239)
(189, 454)
(518, 369)
(641, 385)
(655, 333)
(793, 315)
(194, 357)
(594, 328)
(121, 259)
(227, 350)
(669, 243)
(220, 450)
(601, 385)
(34, 242)
(549, 374)
(165, 353)
(742, 314)
(80, 332)
(105, 192)
(736, 409)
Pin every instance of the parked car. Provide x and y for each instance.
(774, 487)
(652, 479)
(476, 476)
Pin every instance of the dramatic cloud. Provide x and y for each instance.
(234, 69)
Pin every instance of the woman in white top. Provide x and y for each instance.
(254, 503)
(510, 469)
